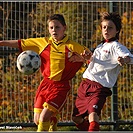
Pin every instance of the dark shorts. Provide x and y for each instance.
(91, 98)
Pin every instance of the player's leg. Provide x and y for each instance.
(91, 98)
(95, 106)
(81, 123)
(40, 100)
(57, 99)
(38, 108)
(79, 111)
(45, 125)
(44, 120)
(36, 117)
(38, 103)
(94, 122)
(53, 122)
(54, 99)
(89, 124)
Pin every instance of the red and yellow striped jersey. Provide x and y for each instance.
(54, 57)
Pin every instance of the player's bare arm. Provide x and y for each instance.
(124, 60)
(9, 43)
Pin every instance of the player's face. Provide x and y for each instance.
(108, 29)
(56, 30)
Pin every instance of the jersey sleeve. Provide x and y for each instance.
(76, 47)
(123, 51)
(35, 44)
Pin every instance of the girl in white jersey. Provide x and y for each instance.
(101, 74)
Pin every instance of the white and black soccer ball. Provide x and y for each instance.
(28, 62)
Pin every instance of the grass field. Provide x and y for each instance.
(73, 128)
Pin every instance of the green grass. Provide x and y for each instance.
(73, 128)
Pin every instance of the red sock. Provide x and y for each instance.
(94, 126)
(83, 126)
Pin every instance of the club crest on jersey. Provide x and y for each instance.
(106, 51)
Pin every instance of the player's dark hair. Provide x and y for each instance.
(58, 17)
(115, 17)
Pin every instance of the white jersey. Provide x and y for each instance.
(104, 67)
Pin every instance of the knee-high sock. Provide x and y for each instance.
(43, 126)
(94, 126)
(84, 126)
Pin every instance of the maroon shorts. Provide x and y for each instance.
(54, 93)
(91, 98)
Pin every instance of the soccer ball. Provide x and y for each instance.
(28, 62)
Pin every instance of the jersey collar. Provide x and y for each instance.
(110, 40)
(59, 42)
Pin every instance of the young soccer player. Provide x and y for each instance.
(55, 52)
(101, 74)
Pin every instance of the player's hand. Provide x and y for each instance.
(76, 58)
(36, 118)
(124, 60)
(86, 55)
